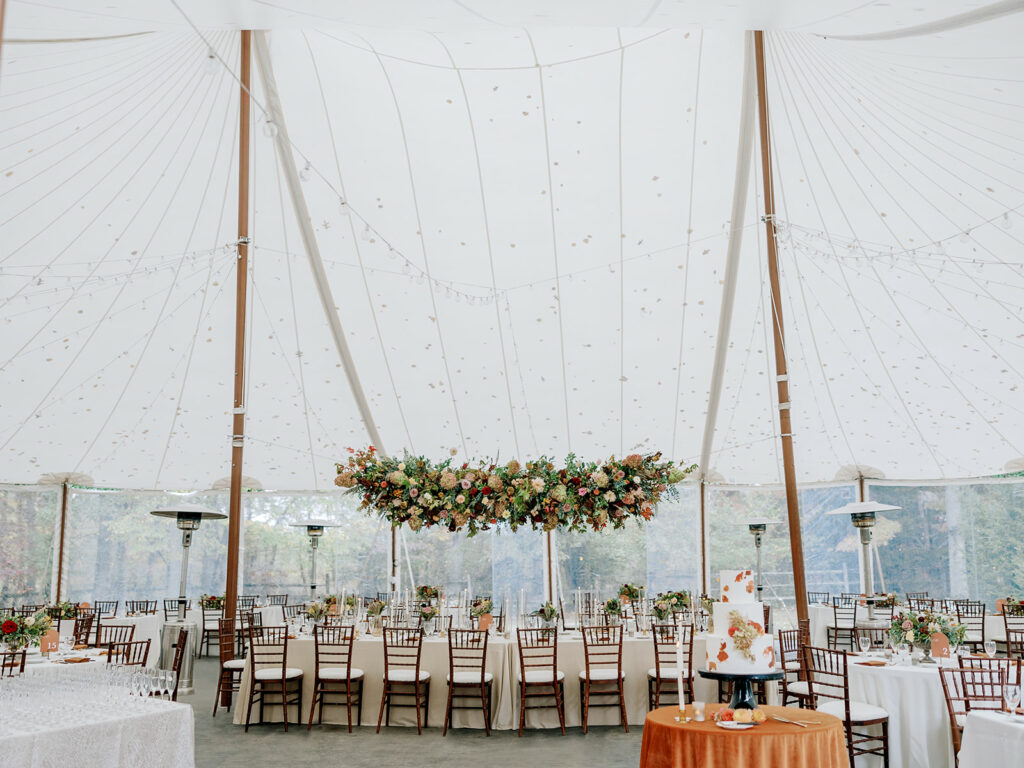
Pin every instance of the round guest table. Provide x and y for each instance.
(670, 744)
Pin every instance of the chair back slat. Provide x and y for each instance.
(402, 648)
(333, 646)
(827, 675)
(602, 648)
(268, 648)
(878, 636)
(114, 633)
(971, 613)
(105, 608)
(538, 650)
(83, 628)
(665, 637)
(277, 599)
(141, 606)
(823, 598)
(844, 612)
(226, 631)
(12, 663)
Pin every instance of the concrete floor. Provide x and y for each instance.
(219, 744)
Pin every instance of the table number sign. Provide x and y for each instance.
(940, 646)
(49, 642)
(999, 605)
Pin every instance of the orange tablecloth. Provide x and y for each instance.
(668, 744)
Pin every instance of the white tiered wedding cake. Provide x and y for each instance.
(739, 643)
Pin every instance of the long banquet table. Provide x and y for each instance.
(502, 663)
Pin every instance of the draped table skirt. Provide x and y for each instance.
(670, 744)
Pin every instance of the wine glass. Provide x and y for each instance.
(864, 642)
(1011, 696)
(990, 648)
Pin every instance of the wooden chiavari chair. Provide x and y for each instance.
(105, 609)
(1013, 621)
(28, 610)
(1015, 644)
(821, 598)
(229, 679)
(293, 611)
(403, 647)
(663, 677)
(12, 663)
(539, 676)
(171, 608)
(272, 678)
(335, 675)
(467, 674)
(180, 646)
(277, 599)
(916, 596)
(844, 623)
(996, 668)
(922, 604)
(245, 602)
(828, 679)
(971, 613)
(956, 705)
(133, 653)
(83, 628)
(211, 628)
(791, 657)
(603, 676)
(146, 607)
(113, 633)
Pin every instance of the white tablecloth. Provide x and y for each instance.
(159, 735)
(271, 615)
(146, 628)
(822, 616)
(919, 734)
(991, 739)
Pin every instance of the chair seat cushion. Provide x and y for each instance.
(667, 673)
(211, 624)
(467, 677)
(274, 673)
(974, 637)
(234, 664)
(407, 675)
(601, 675)
(540, 676)
(800, 688)
(338, 673)
(859, 711)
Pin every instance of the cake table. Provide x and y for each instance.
(742, 691)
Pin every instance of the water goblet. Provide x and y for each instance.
(1011, 697)
(990, 648)
(864, 642)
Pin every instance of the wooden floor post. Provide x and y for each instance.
(241, 285)
(778, 331)
(63, 516)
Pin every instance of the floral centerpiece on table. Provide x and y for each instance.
(481, 607)
(630, 593)
(1011, 600)
(211, 602)
(318, 611)
(17, 632)
(547, 612)
(886, 600)
(330, 599)
(662, 609)
(917, 628)
(62, 610)
(426, 593)
(578, 496)
(613, 607)
(429, 612)
(375, 608)
(351, 603)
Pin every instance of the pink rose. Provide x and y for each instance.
(908, 624)
(583, 491)
(466, 484)
(414, 492)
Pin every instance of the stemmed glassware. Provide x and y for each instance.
(864, 642)
(1011, 695)
(990, 648)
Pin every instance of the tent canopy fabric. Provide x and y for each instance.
(523, 214)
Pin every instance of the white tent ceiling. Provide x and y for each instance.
(532, 258)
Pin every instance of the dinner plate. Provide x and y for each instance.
(731, 726)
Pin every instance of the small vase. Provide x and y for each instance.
(926, 655)
(614, 620)
(377, 626)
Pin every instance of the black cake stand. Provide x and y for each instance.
(742, 691)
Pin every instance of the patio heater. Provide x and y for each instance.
(188, 517)
(315, 530)
(862, 515)
(758, 526)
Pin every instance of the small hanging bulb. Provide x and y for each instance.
(965, 236)
(269, 128)
(391, 253)
(211, 65)
(343, 206)
(420, 279)
(1006, 222)
(304, 173)
(365, 234)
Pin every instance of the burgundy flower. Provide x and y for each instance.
(9, 627)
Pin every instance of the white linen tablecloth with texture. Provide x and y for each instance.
(992, 739)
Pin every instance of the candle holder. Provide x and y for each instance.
(315, 531)
(862, 515)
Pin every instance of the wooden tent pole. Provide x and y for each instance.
(241, 284)
(63, 489)
(778, 331)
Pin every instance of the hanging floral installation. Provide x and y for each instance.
(581, 495)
